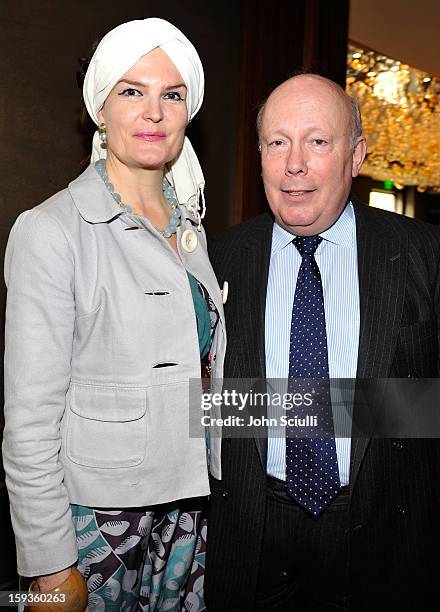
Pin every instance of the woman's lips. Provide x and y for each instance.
(150, 136)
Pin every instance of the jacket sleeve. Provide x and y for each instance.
(40, 315)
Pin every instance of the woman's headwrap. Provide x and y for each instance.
(117, 52)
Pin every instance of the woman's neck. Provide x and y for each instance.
(140, 188)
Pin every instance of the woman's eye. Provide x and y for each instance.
(130, 92)
(173, 95)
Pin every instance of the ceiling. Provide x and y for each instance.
(405, 30)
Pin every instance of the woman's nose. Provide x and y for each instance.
(153, 109)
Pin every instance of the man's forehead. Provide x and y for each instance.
(309, 85)
(306, 95)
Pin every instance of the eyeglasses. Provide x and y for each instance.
(80, 75)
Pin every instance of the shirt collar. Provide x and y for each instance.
(342, 232)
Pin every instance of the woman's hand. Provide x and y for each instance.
(51, 581)
(74, 590)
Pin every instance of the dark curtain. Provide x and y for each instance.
(279, 38)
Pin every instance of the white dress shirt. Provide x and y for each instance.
(336, 257)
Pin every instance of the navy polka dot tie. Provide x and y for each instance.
(311, 463)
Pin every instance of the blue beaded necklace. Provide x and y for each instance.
(168, 191)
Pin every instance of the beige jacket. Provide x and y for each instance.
(93, 309)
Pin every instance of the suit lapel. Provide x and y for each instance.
(382, 264)
(254, 280)
(254, 270)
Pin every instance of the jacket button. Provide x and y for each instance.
(189, 240)
(401, 509)
(225, 494)
(225, 291)
(398, 444)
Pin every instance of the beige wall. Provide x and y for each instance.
(402, 29)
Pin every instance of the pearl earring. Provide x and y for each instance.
(103, 135)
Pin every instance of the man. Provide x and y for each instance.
(369, 542)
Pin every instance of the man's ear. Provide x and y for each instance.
(359, 153)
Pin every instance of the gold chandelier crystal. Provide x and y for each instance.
(400, 108)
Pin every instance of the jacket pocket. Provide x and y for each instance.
(106, 426)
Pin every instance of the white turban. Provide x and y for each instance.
(117, 52)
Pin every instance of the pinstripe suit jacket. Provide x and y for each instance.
(394, 502)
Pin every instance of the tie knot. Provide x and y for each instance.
(307, 245)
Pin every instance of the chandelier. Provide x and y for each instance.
(400, 108)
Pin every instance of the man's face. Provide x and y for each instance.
(306, 154)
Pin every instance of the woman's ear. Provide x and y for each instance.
(100, 115)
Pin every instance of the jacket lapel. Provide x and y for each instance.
(100, 208)
(253, 275)
(382, 264)
(254, 281)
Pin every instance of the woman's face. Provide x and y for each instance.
(145, 113)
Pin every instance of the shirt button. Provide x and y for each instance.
(225, 494)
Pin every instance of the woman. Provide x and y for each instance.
(112, 303)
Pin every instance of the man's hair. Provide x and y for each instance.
(356, 119)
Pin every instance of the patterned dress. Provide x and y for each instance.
(148, 559)
(142, 559)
